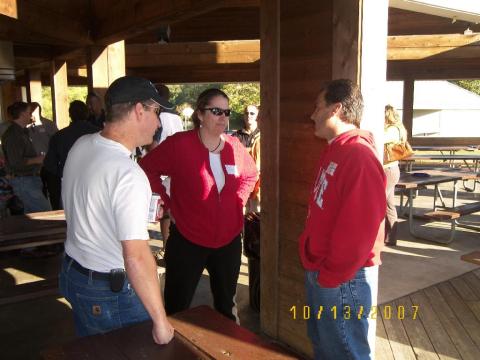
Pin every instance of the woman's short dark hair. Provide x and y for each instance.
(203, 101)
(78, 111)
(17, 108)
(345, 92)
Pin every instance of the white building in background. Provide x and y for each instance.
(440, 108)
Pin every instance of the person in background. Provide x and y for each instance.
(40, 129)
(395, 132)
(340, 245)
(253, 204)
(108, 274)
(212, 176)
(250, 130)
(60, 145)
(22, 162)
(96, 115)
(170, 123)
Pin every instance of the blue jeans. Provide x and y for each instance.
(96, 309)
(343, 329)
(29, 190)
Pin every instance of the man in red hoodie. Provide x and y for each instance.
(340, 245)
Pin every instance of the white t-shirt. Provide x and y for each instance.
(218, 174)
(106, 196)
(171, 123)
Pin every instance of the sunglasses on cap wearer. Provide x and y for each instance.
(156, 109)
(218, 112)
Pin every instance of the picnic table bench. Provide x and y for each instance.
(453, 215)
(200, 333)
(410, 183)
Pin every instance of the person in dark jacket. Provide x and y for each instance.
(96, 114)
(60, 145)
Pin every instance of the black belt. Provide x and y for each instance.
(95, 274)
(22, 175)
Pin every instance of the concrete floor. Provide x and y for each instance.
(29, 326)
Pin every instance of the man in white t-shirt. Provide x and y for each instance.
(109, 275)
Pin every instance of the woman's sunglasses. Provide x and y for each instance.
(217, 111)
(250, 113)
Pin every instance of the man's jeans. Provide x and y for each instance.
(340, 325)
(96, 309)
(29, 190)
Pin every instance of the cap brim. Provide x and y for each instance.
(163, 103)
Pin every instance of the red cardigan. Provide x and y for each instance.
(202, 215)
(344, 230)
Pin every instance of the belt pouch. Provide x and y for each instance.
(117, 279)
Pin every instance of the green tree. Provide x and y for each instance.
(471, 85)
(74, 93)
(240, 94)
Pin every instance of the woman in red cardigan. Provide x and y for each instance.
(212, 176)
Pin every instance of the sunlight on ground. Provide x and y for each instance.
(64, 302)
(25, 276)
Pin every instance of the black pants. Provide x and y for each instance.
(184, 264)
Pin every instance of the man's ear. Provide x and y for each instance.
(336, 109)
(138, 108)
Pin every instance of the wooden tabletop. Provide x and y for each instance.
(445, 147)
(410, 181)
(30, 228)
(474, 157)
(200, 333)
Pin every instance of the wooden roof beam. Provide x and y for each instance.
(123, 19)
(8, 8)
(182, 54)
(418, 47)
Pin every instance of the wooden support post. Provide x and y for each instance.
(9, 94)
(34, 86)
(104, 65)
(408, 94)
(360, 54)
(270, 102)
(295, 61)
(59, 87)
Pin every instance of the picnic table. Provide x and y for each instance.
(200, 333)
(35, 229)
(471, 161)
(451, 149)
(412, 181)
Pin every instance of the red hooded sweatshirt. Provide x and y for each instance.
(344, 230)
(204, 216)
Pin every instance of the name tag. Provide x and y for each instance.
(231, 170)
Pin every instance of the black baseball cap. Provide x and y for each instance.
(131, 89)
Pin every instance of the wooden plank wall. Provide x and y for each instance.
(311, 43)
(303, 61)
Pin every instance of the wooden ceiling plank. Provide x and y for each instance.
(124, 19)
(35, 18)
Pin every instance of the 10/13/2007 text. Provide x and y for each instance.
(388, 312)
